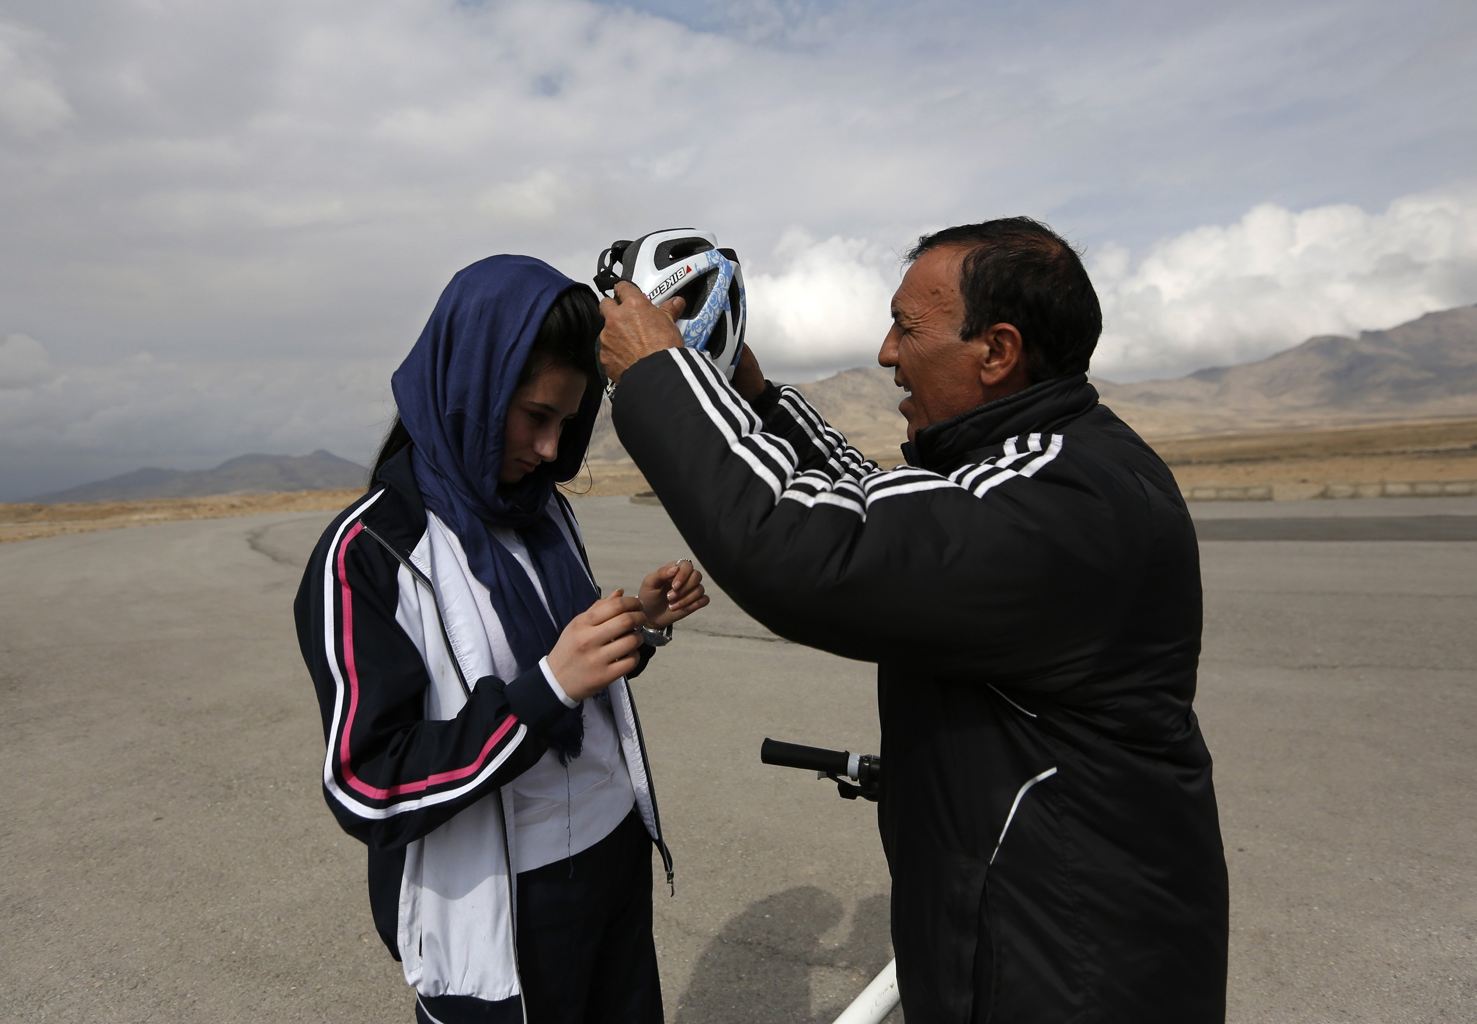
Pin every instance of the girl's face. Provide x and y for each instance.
(536, 418)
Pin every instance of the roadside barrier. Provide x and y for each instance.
(1401, 489)
(1369, 489)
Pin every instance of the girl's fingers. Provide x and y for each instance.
(686, 599)
(612, 629)
(621, 647)
(687, 609)
(625, 666)
(683, 580)
(608, 608)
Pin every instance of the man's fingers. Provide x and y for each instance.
(626, 292)
(674, 307)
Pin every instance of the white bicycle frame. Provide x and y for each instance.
(877, 1000)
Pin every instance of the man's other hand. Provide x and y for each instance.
(634, 328)
(748, 379)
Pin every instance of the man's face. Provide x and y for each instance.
(537, 415)
(940, 372)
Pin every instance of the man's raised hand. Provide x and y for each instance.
(634, 328)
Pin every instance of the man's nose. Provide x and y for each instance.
(887, 354)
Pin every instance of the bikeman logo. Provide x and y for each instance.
(669, 282)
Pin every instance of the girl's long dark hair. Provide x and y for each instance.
(569, 336)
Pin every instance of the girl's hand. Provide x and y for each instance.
(671, 593)
(598, 646)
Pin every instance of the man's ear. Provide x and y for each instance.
(1002, 359)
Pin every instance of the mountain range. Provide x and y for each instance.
(1422, 370)
(246, 473)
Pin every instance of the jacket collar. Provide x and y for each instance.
(401, 530)
(1039, 408)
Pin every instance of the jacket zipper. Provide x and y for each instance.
(1020, 795)
(656, 814)
(430, 590)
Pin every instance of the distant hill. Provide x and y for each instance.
(1424, 369)
(243, 474)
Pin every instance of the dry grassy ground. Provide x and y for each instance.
(1298, 464)
(1293, 464)
(27, 521)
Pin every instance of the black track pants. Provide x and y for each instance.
(585, 951)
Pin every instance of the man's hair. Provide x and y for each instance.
(1018, 271)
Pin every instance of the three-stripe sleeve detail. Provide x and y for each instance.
(827, 439)
(771, 458)
(858, 484)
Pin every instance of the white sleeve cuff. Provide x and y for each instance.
(543, 663)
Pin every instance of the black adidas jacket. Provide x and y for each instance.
(1029, 589)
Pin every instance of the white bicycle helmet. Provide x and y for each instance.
(686, 262)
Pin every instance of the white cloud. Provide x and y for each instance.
(23, 362)
(824, 305)
(31, 101)
(1223, 294)
(536, 198)
(263, 193)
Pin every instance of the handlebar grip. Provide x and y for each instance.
(795, 755)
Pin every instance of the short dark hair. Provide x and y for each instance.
(1018, 271)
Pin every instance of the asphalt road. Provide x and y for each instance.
(167, 855)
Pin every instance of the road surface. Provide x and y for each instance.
(168, 857)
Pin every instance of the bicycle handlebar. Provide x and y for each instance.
(815, 759)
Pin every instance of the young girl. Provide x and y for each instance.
(481, 736)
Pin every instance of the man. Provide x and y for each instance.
(1029, 588)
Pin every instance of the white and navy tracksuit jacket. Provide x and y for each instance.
(1029, 589)
(426, 715)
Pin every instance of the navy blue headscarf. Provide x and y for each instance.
(453, 393)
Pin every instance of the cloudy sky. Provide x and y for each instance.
(222, 224)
